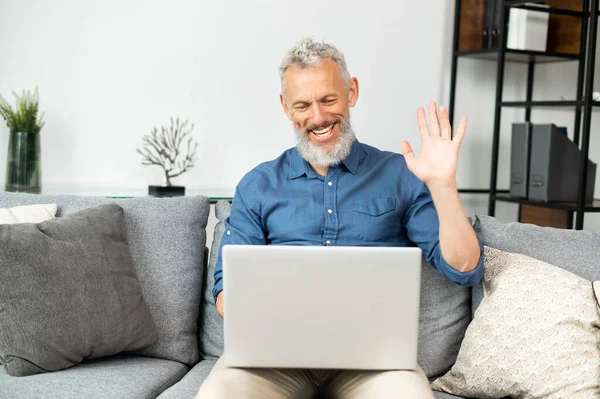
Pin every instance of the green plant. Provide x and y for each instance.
(24, 117)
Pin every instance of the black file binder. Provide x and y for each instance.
(554, 166)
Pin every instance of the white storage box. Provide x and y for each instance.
(527, 29)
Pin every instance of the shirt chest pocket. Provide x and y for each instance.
(374, 219)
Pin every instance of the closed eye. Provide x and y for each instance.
(301, 107)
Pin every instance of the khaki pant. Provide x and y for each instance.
(238, 383)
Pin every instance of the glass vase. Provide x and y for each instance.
(23, 168)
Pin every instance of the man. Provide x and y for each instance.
(333, 190)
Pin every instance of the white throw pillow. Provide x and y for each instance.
(536, 334)
(28, 214)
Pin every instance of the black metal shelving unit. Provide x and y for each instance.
(582, 104)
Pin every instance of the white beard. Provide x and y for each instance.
(314, 155)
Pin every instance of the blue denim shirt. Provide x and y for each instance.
(371, 198)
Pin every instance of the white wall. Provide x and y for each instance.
(109, 71)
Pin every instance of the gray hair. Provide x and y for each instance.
(307, 53)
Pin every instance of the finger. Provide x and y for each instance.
(460, 132)
(445, 123)
(422, 121)
(433, 120)
(408, 153)
(406, 148)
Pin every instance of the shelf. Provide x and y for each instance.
(546, 103)
(565, 206)
(526, 5)
(470, 23)
(213, 195)
(479, 191)
(521, 56)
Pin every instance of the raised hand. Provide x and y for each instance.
(438, 161)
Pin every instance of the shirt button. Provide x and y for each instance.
(329, 211)
(228, 232)
(327, 242)
(330, 184)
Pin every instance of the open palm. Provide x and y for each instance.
(438, 161)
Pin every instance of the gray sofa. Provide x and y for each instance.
(168, 240)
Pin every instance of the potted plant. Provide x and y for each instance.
(163, 148)
(23, 169)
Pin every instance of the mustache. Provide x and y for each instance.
(321, 126)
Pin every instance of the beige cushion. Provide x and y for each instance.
(27, 214)
(536, 334)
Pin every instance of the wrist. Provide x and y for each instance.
(219, 304)
(444, 195)
(442, 186)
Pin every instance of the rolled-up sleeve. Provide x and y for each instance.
(243, 226)
(422, 224)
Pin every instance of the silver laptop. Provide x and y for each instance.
(321, 307)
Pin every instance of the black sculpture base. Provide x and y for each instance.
(166, 191)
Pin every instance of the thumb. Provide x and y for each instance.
(408, 153)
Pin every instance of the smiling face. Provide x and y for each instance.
(317, 101)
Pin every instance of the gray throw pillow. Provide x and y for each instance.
(445, 314)
(167, 237)
(211, 339)
(69, 292)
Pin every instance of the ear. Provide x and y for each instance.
(353, 92)
(284, 106)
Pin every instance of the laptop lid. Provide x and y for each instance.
(321, 307)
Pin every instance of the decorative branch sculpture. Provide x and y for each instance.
(163, 149)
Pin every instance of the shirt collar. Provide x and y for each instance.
(298, 166)
(353, 159)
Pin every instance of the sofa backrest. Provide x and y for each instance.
(444, 317)
(167, 238)
(573, 250)
(210, 323)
